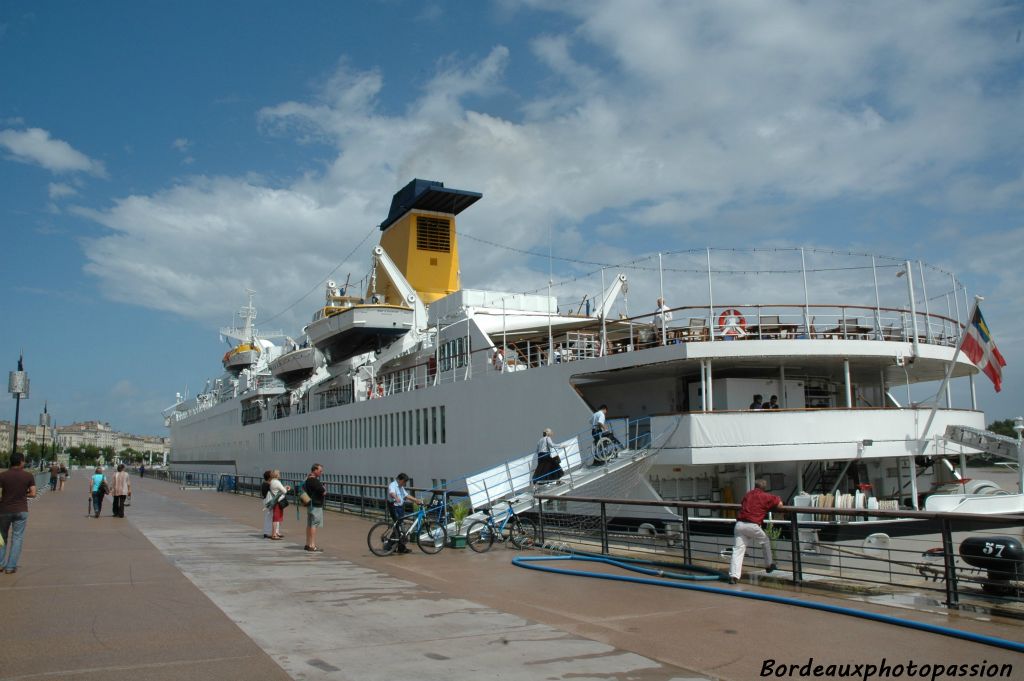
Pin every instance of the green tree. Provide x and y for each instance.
(90, 455)
(1004, 427)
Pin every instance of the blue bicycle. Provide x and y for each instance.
(521, 532)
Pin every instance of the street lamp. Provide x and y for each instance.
(17, 386)
(44, 421)
(1018, 427)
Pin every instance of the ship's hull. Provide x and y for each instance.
(477, 417)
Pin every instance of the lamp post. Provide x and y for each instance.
(44, 421)
(1018, 426)
(17, 386)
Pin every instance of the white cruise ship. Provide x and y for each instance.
(420, 375)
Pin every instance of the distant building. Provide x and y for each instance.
(96, 433)
(100, 435)
(6, 429)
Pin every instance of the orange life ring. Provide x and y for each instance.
(732, 329)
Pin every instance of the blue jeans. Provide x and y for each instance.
(11, 550)
(97, 502)
(397, 513)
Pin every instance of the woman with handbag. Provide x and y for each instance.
(275, 500)
(268, 513)
(100, 489)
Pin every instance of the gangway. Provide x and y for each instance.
(619, 473)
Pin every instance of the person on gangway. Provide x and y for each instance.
(599, 427)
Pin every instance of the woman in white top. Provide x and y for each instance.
(277, 490)
(549, 467)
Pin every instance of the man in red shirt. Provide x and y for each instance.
(755, 505)
(16, 487)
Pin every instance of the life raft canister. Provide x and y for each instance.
(732, 322)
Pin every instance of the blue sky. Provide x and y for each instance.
(156, 160)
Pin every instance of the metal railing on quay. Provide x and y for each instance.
(877, 554)
(366, 500)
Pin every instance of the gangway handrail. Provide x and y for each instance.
(506, 481)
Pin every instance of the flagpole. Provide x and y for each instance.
(949, 372)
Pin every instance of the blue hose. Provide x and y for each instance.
(704, 574)
(532, 563)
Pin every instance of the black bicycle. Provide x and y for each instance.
(519, 531)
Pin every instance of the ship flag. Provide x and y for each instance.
(978, 345)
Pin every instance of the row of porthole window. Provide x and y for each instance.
(290, 440)
(408, 428)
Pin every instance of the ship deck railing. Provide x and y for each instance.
(516, 352)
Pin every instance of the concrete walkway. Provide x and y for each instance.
(187, 588)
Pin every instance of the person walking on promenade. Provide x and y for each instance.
(755, 505)
(315, 511)
(17, 486)
(100, 489)
(397, 496)
(54, 474)
(122, 489)
(268, 513)
(63, 478)
(277, 492)
(142, 470)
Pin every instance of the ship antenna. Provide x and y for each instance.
(551, 339)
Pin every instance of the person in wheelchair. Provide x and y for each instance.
(599, 428)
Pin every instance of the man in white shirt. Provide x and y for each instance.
(664, 315)
(397, 496)
(598, 427)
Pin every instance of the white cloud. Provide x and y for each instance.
(60, 190)
(35, 146)
(124, 388)
(649, 120)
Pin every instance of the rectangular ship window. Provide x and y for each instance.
(433, 234)
(443, 438)
(433, 425)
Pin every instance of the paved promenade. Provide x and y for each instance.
(186, 588)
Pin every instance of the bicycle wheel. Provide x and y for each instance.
(522, 532)
(480, 536)
(432, 537)
(382, 539)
